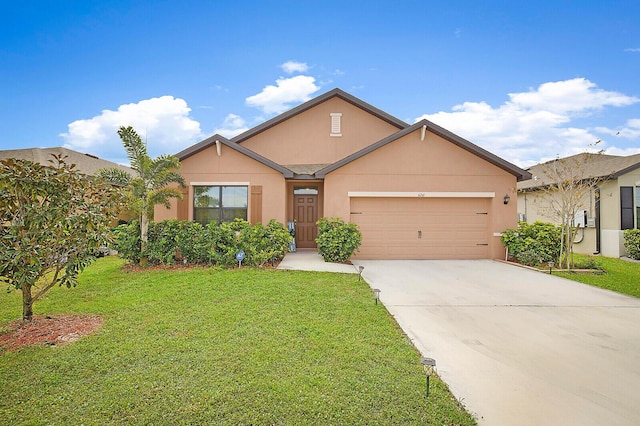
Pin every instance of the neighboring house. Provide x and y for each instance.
(416, 191)
(85, 163)
(612, 206)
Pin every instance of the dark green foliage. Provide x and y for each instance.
(127, 241)
(632, 243)
(533, 244)
(173, 241)
(53, 222)
(337, 240)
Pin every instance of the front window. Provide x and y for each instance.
(219, 203)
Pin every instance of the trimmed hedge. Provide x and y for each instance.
(533, 244)
(632, 243)
(173, 241)
(337, 240)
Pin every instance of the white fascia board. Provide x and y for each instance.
(383, 194)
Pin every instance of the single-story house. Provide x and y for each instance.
(610, 206)
(85, 163)
(415, 191)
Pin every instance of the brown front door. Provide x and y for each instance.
(305, 209)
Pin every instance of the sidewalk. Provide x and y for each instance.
(310, 260)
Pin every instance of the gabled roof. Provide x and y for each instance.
(588, 165)
(519, 173)
(316, 101)
(85, 163)
(194, 149)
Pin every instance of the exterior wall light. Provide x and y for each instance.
(376, 294)
(506, 198)
(429, 365)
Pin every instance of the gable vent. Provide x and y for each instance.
(336, 125)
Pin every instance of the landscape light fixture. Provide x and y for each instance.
(428, 364)
(550, 266)
(376, 294)
(506, 198)
(360, 269)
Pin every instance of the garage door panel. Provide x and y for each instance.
(414, 228)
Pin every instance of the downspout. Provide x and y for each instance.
(597, 219)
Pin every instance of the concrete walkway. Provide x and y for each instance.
(519, 347)
(310, 260)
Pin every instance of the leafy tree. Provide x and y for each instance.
(53, 222)
(150, 186)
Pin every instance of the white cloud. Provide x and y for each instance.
(232, 126)
(631, 130)
(288, 91)
(536, 124)
(292, 66)
(634, 49)
(163, 122)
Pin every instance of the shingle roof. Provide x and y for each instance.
(85, 163)
(306, 169)
(588, 165)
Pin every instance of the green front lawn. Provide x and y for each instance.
(206, 346)
(619, 275)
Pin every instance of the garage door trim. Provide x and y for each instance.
(353, 194)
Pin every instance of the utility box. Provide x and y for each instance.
(580, 219)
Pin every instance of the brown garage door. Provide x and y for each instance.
(422, 228)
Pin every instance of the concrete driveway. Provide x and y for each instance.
(519, 347)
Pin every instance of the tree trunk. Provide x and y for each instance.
(27, 303)
(144, 228)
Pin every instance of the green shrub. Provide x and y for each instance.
(632, 243)
(533, 244)
(127, 241)
(161, 248)
(174, 241)
(193, 243)
(337, 240)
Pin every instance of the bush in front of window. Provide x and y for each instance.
(337, 240)
(261, 244)
(632, 243)
(173, 241)
(127, 241)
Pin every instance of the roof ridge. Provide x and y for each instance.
(336, 92)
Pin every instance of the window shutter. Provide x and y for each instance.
(256, 204)
(626, 207)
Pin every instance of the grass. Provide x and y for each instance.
(619, 275)
(207, 346)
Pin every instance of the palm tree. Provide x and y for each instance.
(149, 187)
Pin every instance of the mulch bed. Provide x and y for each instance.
(48, 331)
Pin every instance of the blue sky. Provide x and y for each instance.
(526, 80)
